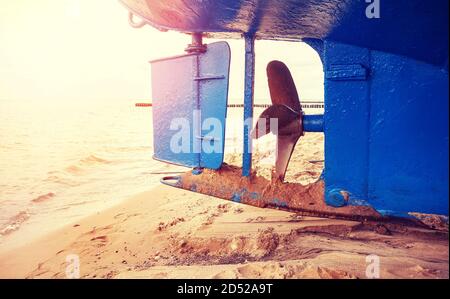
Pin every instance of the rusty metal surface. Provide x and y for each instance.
(260, 192)
(231, 18)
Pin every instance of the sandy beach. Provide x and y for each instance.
(166, 233)
(172, 233)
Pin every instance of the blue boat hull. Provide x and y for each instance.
(415, 28)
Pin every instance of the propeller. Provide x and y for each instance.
(287, 110)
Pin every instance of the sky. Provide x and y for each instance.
(74, 50)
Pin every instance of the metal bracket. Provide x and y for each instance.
(207, 78)
(134, 24)
(248, 102)
(346, 72)
(196, 45)
(172, 181)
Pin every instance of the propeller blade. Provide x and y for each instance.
(284, 115)
(289, 131)
(282, 87)
(287, 110)
(285, 147)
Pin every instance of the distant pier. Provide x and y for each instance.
(305, 104)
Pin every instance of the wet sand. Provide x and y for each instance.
(172, 233)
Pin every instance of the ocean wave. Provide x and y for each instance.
(70, 175)
(62, 180)
(84, 163)
(74, 169)
(126, 149)
(92, 159)
(43, 197)
(14, 223)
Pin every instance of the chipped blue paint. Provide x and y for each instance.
(346, 72)
(197, 171)
(357, 202)
(279, 203)
(236, 197)
(389, 213)
(254, 196)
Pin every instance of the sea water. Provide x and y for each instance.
(61, 161)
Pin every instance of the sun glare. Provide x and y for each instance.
(73, 8)
(83, 49)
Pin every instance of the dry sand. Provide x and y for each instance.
(172, 233)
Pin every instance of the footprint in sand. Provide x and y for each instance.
(119, 215)
(100, 241)
(326, 273)
(238, 210)
(96, 230)
(162, 226)
(257, 219)
(220, 210)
